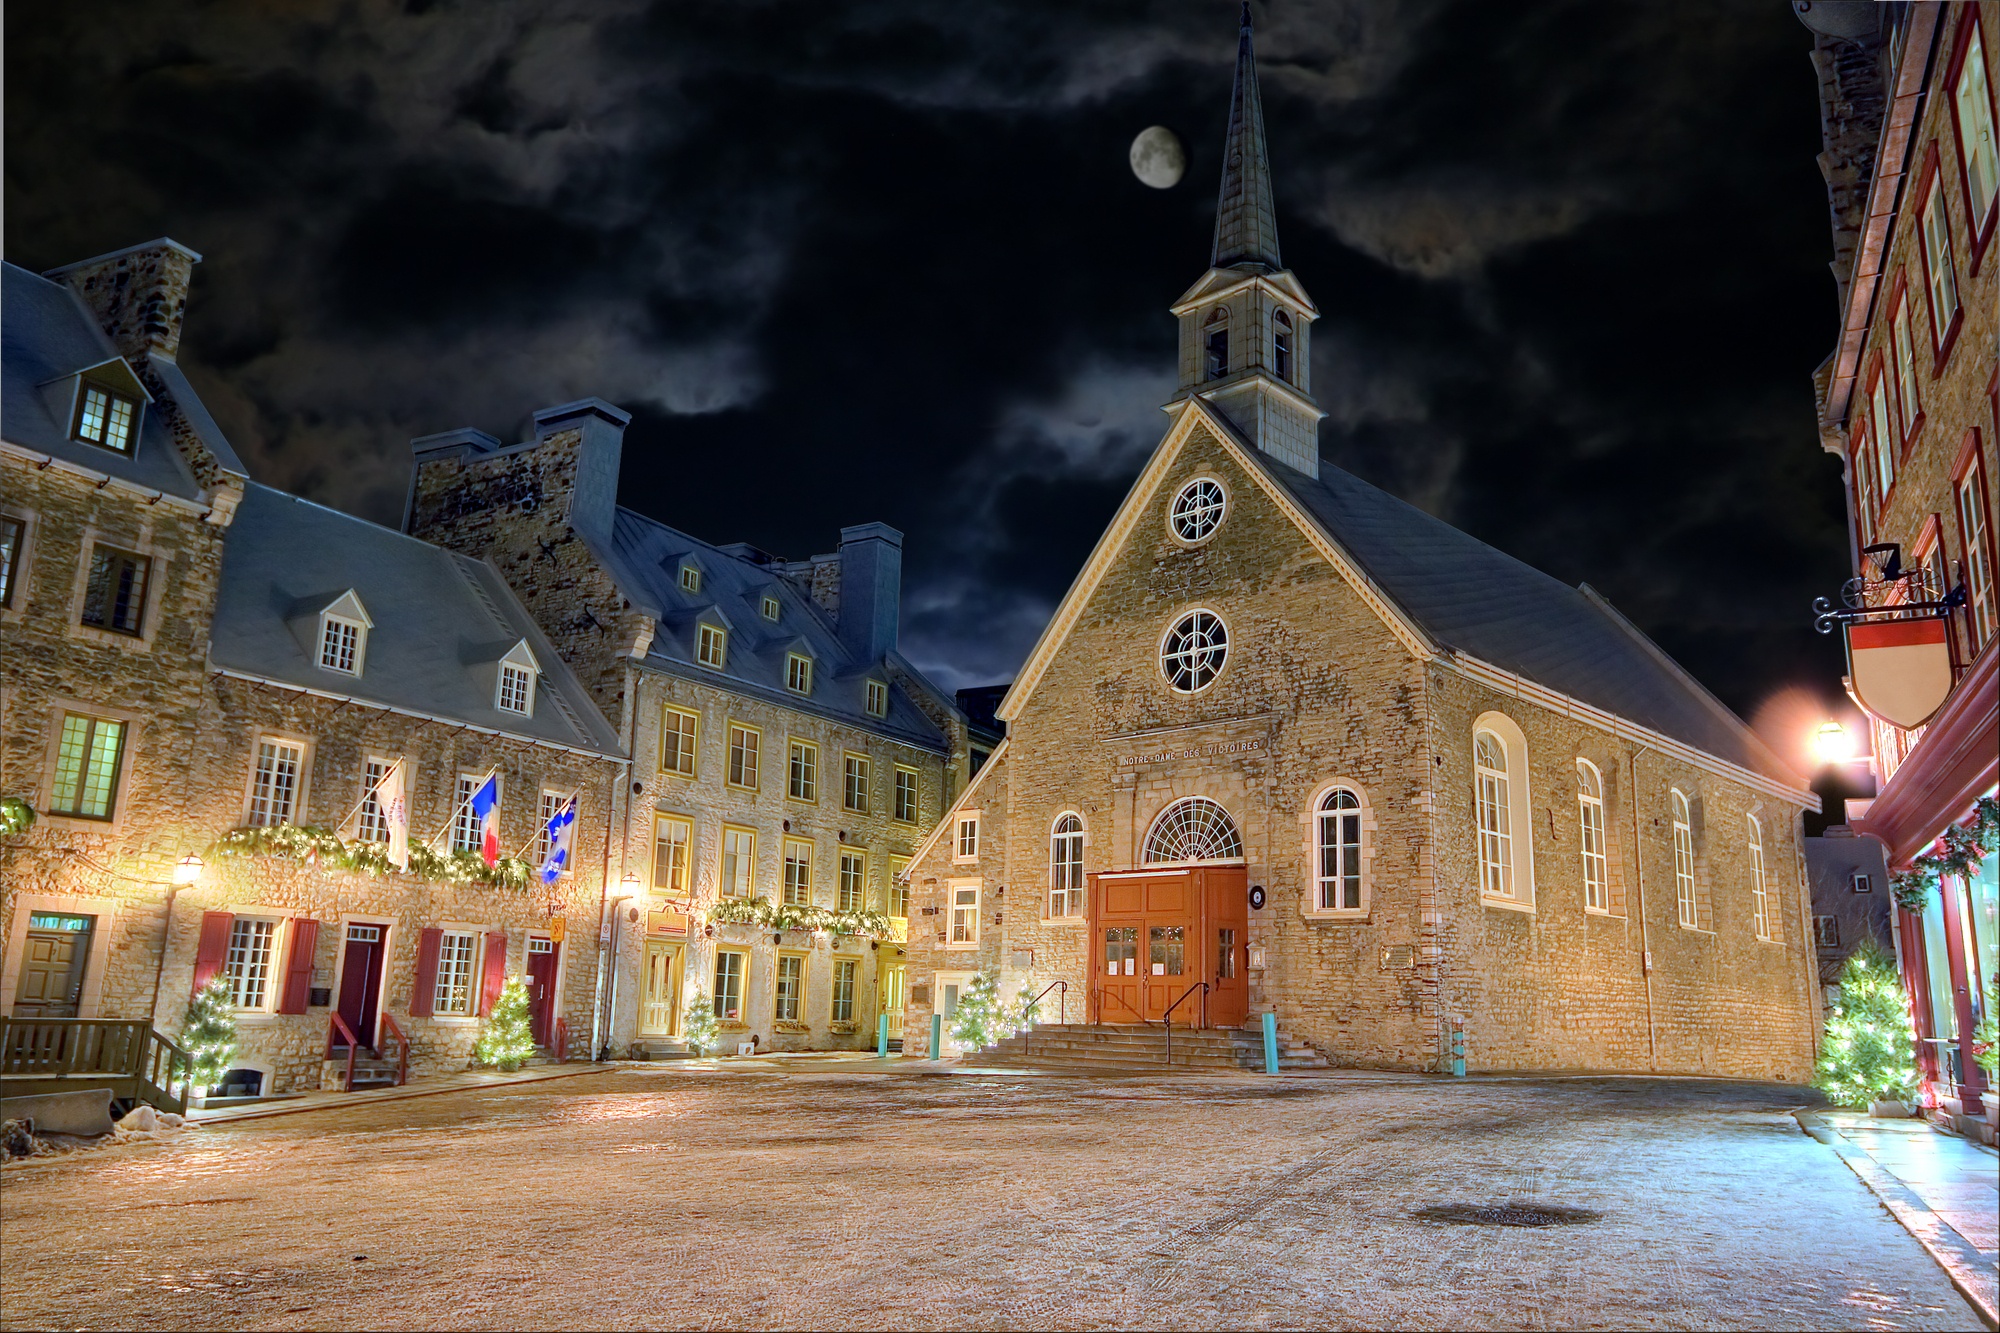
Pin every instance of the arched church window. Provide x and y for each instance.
(1590, 818)
(1192, 654)
(1496, 850)
(1216, 335)
(1193, 828)
(1066, 867)
(1339, 877)
(1281, 344)
(1197, 510)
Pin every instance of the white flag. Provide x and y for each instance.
(396, 814)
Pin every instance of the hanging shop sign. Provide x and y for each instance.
(1900, 670)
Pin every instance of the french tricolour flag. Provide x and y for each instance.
(486, 808)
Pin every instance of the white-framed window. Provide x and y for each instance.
(739, 861)
(552, 803)
(517, 690)
(465, 830)
(253, 940)
(966, 844)
(1939, 269)
(1337, 875)
(106, 418)
(877, 695)
(844, 972)
(771, 608)
(1066, 881)
(711, 646)
(1193, 828)
(1973, 101)
(690, 579)
(802, 771)
(458, 962)
(274, 783)
(1193, 651)
(13, 551)
(679, 729)
(853, 880)
(673, 837)
(798, 873)
(1590, 821)
(90, 758)
(854, 783)
(964, 914)
(744, 746)
(899, 887)
(1215, 342)
(731, 969)
(1885, 448)
(1759, 889)
(1906, 367)
(1974, 535)
(791, 987)
(1197, 510)
(1281, 344)
(376, 798)
(1495, 803)
(906, 794)
(1684, 896)
(798, 673)
(340, 645)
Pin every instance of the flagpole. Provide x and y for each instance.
(370, 794)
(452, 818)
(544, 827)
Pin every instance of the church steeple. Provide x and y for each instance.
(1245, 327)
(1246, 227)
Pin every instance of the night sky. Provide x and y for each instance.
(849, 262)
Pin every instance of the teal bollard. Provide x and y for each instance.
(937, 1036)
(1270, 1043)
(882, 1037)
(1458, 1052)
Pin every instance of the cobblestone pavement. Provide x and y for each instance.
(677, 1198)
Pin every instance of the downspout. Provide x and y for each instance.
(610, 1011)
(1645, 936)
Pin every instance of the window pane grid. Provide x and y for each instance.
(1066, 867)
(1496, 843)
(791, 982)
(853, 881)
(464, 823)
(855, 795)
(88, 755)
(743, 746)
(670, 855)
(1684, 895)
(454, 972)
(798, 874)
(1193, 829)
(1339, 875)
(906, 796)
(1197, 510)
(1972, 527)
(1194, 650)
(114, 598)
(248, 963)
(274, 789)
(1759, 891)
(516, 689)
(965, 916)
(677, 734)
(739, 855)
(1975, 130)
(374, 825)
(13, 535)
(843, 990)
(729, 969)
(803, 781)
(339, 646)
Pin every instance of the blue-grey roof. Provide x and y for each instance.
(645, 557)
(442, 621)
(45, 334)
(1470, 597)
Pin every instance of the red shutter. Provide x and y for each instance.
(299, 966)
(496, 970)
(213, 951)
(423, 992)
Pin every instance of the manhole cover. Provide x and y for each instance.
(1508, 1214)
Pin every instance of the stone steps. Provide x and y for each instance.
(1109, 1047)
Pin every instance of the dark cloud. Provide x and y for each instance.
(884, 260)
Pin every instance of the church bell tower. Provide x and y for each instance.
(1246, 325)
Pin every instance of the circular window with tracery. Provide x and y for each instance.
(1197, 510)
(1193, 828)
(1192, 654)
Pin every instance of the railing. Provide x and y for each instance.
(1062, 1009)
(339, 1025)
(1167, 1019)
(130, 1057)
(562, 1039)
(402, 1048)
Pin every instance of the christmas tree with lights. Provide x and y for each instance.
(508, 1040)
(698, 1023)
(979, 1021)
(1868, 1054)
(208, 1034)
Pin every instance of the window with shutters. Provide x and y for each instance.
(458, 958)
(802, 772)
(844, 972)
(90, 755)
(1066, 866)
(739, 862)
(1759, 890)
(798, 873)
(711, 646)
(1590, 841)
(906, 794)
(114, 595)
(791, 987)
(247, 966)
(1338, 826)
(1684, 894)
(274, 783)
(1942, 276)
(678, 729)
(744, 745)
(672, 838)
(964, 914)
(106, 418)
(853, 895)
(854, 785)
(731, 968)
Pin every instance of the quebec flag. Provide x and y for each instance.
(486, 809)
(561, 825)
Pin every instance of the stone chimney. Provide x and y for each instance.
(871, 589)
(600, 444)
(139, 295)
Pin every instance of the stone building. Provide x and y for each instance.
(1909, 400)
(216, 697)
(786, 758)
(1291, 745)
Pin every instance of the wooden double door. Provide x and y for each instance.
(1157, 934)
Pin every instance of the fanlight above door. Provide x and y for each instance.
(1193, 828)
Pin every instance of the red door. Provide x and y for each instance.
(361, 979)
(1226, 947)
(542, 954)
(1147, 947)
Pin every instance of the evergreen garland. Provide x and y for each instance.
(208, 1034)
(1965, 847)
(787, 916)
(509, 1038)
(979, 1021)
(16, 816)
(698, 1023)
(1869, 1050)
(318, 846)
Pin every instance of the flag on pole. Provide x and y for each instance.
(561, 824)
(486, 809)
(395, 814)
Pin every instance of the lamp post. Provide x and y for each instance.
(188, 869)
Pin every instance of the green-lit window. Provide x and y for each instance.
(87, 763)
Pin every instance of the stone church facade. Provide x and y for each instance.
(1290, 745)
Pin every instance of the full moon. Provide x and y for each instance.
(1157, 157)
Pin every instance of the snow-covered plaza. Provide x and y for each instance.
(827, 1194)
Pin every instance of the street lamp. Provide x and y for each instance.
(188, 869)
(1832, 744)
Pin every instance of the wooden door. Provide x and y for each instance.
(542, 957)
(1117, 917)
(51, 981)
(659, 1008)
(361, 979)
(1226, 933)
(891, 990)
(1170, 958)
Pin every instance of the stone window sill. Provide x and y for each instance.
(1507, 904)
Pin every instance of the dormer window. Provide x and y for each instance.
(690, 579)
(711, 646)
(770, 607)
(878, 699)
(798, 673)
(1215, 335)
(515, 692)
(1281, 345)
(343, 635)
(106, 418)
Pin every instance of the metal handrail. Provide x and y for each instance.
(402, 1048)
(1062, 1009)
(1167, 1019)
(339, 1024)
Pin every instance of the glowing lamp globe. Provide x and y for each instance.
(188, 869)
(1832, 744)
